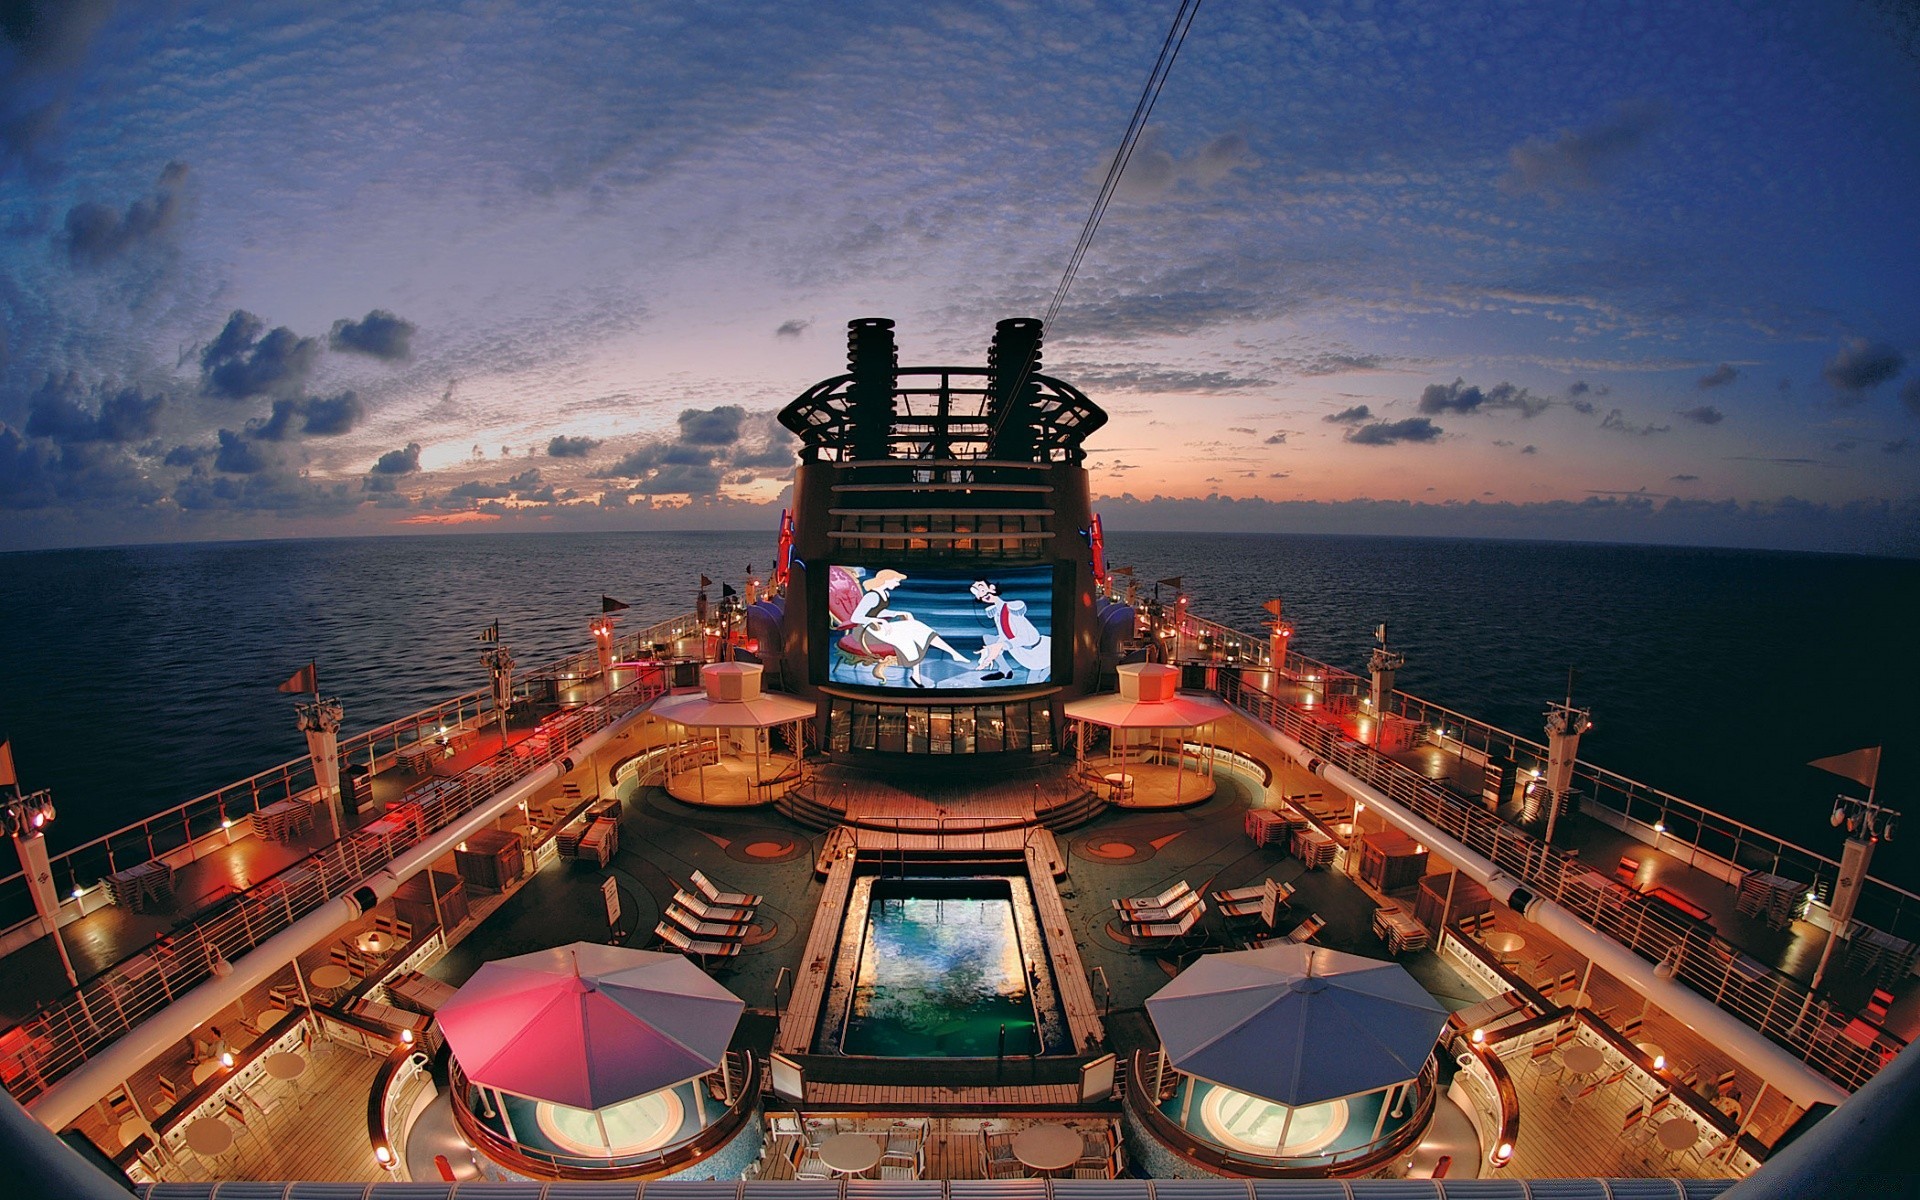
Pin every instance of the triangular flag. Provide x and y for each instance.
(726, 589)
(7, 777)
(1861, 766)
(705, 582)
(1120, 571)
(306, 679)
(1272, 606)
(609, 604)
(490, 634)
(1174, 581)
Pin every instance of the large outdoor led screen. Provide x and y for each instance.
(909, 627)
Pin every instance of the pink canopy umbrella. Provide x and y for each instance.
(587, 1026)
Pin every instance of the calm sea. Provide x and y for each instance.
(138, 678)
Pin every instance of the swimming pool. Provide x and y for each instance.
(942, 968)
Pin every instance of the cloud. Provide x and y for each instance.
(55, 411)
(1349, 416)
(1278, 439)
(404, 461)
(1720, 376)
(240, 363)
(331, 416)
(379, 333)
(1683, 479)
(1529, 449)
(242, 455)
(792, 328)
(1705, 414)
(712, 426)
(1387, 433)
(1581, 160)
(95, 234)
(1910, 396)
(563, 446)
(1158, 380)
(1896, 446)
(1461, 397)
(1616, 421)
(1579, 387)
(1859, 366)
(45, 45)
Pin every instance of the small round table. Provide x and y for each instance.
(1582, 1059)
(1504, 941)
(203, 1071)
(851, 1153)
(374, 942)
(1047, 1147)
(209, 1137)
(330, 976)
(132, 1128)
(1677, 1134)
(286, 1065)
(1656, 1054)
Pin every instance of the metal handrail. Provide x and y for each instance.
(1771, 1002)
(92, 1016)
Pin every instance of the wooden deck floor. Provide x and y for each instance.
(953, 1143)
(1577, 1139)
(810, 984)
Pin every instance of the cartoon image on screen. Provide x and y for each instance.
(898, 628)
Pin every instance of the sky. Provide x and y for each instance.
(1622, 271)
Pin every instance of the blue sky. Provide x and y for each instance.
(1622, 271)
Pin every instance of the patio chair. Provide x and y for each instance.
(1722, 1083)
(1308, 929)
(997, 1160)
(695, 927)
(1167, 931)
(906, 1147)
(1250, 902)
(1160, 916)
(166, 1094)
(701, 907)
(1878, 1006)
(810, 1165)
(1099, 1155)
(715, 895)
(699, 948)
(1163, 900)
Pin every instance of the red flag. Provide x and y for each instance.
(7, 777)
(1861, 766)
(705, 582)
(1272, 606)
(306, 679)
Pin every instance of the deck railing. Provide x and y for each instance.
(1777, 1005)
(195, 828)
(87, 1019)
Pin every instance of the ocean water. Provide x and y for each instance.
(134, 679)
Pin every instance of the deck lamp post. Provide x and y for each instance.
(1868, 823)
(25, 816)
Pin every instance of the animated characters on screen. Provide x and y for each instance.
(1014, 636)
(887, 618)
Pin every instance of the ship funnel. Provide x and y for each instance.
(1014, 359)
(872, 360)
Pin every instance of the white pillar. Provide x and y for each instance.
(320, 721)
(1565, 724)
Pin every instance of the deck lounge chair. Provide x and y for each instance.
(695, 927)
(706, 910)
(1156, 916)
(1233, 904)
(714, 895)
(698, 948)
(1308, 929)
(1163, 900)
(1166, 931)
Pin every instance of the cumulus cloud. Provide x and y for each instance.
(95, 234)
(1720, 376)
(712, 448)
(404, 461)
(58, 410)
(379, 334)
(1277, 439)
(1581, 160)
(1462, 397)
(1349, 416)
(1616, 421)
(45, 44)
(331, 416)
(240, 363)
(563, 446)
(1387, 433)
(1860, 366)
(712, 426)
(1705, 414)
(792, 328)
(242, 455)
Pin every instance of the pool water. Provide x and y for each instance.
(940, 976)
